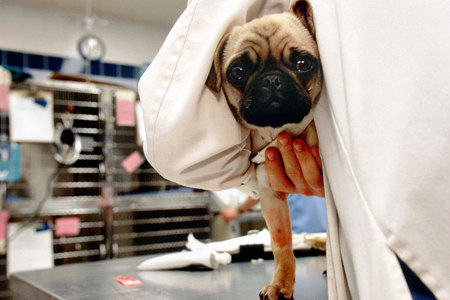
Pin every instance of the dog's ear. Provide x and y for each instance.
(214, 80)
(302, 9)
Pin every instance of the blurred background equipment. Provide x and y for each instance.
(90, 188)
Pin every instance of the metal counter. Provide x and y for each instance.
(95, 281)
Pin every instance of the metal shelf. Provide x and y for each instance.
(135, 235)
(111, 225)
(83, 239)
(76, 103)
(81, 171)
(155, 248)
(84, 117)
(162, 220)
(56, 206)
(76, 254)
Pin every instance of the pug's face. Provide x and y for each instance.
(269, 69)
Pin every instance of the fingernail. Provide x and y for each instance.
(298, 147)
(284, 140)
(270, 155)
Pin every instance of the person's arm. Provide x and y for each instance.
(192, 137)
(294, 168)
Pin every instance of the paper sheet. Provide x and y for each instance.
(125, 108)
(31, 117)
(29, 250)
(4, 91)
(5, 82)
(132, 162)
(67, 226)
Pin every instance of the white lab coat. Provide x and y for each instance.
(383, 121)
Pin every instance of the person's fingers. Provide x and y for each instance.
(275, 171)
(294, 167)
(290, 161)
(312, 173)
(316, 154)
(292, 164)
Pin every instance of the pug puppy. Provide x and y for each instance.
(269, 71)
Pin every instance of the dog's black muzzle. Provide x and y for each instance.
(274, 99)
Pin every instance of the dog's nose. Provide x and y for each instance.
(272, 81)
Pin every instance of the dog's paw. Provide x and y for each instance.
(275, 292)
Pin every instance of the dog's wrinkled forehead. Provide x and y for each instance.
(272, 37)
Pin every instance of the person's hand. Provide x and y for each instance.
(229, 213)
(298, 170)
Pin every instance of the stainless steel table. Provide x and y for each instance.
(95, 281)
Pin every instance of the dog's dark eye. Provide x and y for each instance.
(304, 64)
(237, 73)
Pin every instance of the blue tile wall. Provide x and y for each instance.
(110, 70)
(95, 68)
(54, 63)
(128, 72)
(35, 61)
(14, 59)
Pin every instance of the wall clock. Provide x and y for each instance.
(91, 47)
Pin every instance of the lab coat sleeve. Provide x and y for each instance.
(192, 137)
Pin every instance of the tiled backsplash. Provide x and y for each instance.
(68, 65)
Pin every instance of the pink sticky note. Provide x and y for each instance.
(67, 226)
(4, 92)
(128, 280)
(125, 112)
(132, 162)
(4, 217)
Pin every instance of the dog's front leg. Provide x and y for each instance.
(275, 209)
